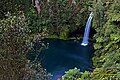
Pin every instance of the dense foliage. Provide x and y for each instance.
(107, 54)
(13, 47)
(75, 74)
(57, 19)
(15, 44)
(13, 6)
(106, 58)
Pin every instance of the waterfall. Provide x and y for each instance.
(87, 30)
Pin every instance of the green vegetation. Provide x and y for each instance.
(106, 58)
(75, 74)
(107, 54)
(13, 48)
(22, 26)
(58, 18)
(15, 40)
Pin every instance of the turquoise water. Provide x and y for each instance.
(62, 55)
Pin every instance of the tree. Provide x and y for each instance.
(106, 58)
(107, 46)
(15, 44)
(75, 74)
(99, 10)
(14, 47)
(13, 7)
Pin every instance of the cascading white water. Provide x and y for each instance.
(87, 30)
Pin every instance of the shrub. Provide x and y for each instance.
(75, 74)
(15, 44)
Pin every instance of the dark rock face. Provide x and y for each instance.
(80, 31)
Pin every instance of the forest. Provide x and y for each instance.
(26, 23)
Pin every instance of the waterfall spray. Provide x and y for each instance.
(87, 30)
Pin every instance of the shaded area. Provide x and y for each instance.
(80, 31)
(62, 55)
